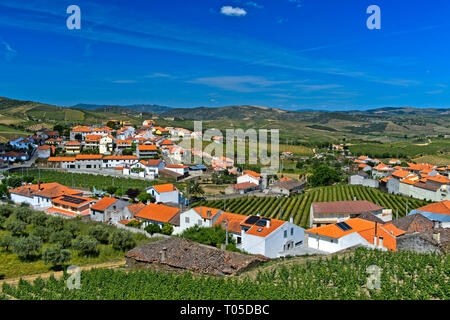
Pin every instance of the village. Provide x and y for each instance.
(151, 153)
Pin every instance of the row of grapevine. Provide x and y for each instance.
(298, 206)
(403, 275)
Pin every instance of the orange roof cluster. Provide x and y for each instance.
(439, 178)
(59, 200)
(420, 166)
(120, 158)
(73, 143)
(93, 137)
(135, 208)
(103, 204)
(251, 173)
(157, 212)
(48, 190)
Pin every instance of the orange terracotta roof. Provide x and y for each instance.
(234, 221)
(420, 166)
(439, 178)
(362, 165)
(177, 166)
(401, 173)
(93, 137)
(265, 231)
(61, 159)
(103, 203)
(157, 212)
(442, 207)
(410, 180)
(164, 187)
(203, 212)
(390, 227)
(73, 143)
(135, 208)
(147, 147)
(67, 212)
(245, 185)
(120, 158)
(44, 147)
(285, 179)
(151, 162)
(48, 190)
(60, 200)
(88, 156)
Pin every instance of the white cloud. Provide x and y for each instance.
(230, 11)
(254, 4)
(238, 83)
(9, 52)
(124, 81)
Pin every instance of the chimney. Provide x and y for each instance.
(39, 184)
(291, 220)
(437, 237)
(29, 192)
(268, 223)
(163, 253)
(257, 214)
(437, 224)
(208, 213)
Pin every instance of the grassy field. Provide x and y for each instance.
(439, 160)
(298, 206)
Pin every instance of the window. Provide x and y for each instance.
(285, 233)
(292, 231)
(239, 240)
(199, 222)
(186, 219)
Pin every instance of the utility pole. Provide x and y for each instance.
(72, 180)
(407, 207)
(226, 230)
(281, 208)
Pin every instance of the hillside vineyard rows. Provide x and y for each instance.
(298, 206)
(404, 275)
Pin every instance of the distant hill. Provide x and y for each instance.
(149, 108)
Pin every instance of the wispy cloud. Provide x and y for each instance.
(316, 87)
(254, 4)
(8, 52)
(160, 75)
(298, 3)
(233, 11)
(125, 81)
(238, 83)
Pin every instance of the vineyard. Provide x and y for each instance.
(83, 180)
(298, 206)
(403, 275)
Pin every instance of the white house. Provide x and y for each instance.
(159, 214)
(270, 237)
(250, 176)
(166, 193)
(199, 216)
(106, 145)
(353, 232)
(118, 161)
(151, 167)
(178, 168)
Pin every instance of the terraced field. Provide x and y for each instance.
(298, 206)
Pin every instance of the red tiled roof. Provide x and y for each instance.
(164, 187)
(245, 185)
(442, 207)
(345, 207)
(103, 204)
(157, 212)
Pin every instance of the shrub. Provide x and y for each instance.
(85, 244)
(122, 240)
(209, 236)
(72, 227)
(153, 228)
(5, 210)
(134, 224)
(167, 229)
(27, 247)
(7, 242)
(56, 255)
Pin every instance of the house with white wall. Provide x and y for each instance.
(166, 193)
(159, 214)
(199, 216)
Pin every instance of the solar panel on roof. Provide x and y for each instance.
(252, 220)
(344, 226)
(72, 199)
(262, 222)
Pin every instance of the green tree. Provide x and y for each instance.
(72, 227)
(55, 223)
(2, 221)
(132, 193)
(27, 247)
(153, 228)
(7, 242)
(16, 227)
(144, 197)
(324, 176)
(167, 229)
(42, 232)
(86, 245)
(38, 218)
(6, 210)
(4, 193)
(23, 214)
(122, 240)
(62, 238)
(99, 232)
(195, 188)
(56, 255)
(111, 190)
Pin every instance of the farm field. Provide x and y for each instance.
(439, 160)
(405, 149)
(404, 275)
(298, 206)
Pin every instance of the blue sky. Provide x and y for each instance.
(289, 54)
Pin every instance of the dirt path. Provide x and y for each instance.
(59, 274)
